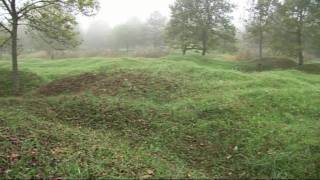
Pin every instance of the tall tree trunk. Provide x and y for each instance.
(300, 40)
(260, 35)
(260, 43)
(14, 48)
(14, 57)
(300, 50)
(207, 27)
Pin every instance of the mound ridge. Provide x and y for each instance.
(73, 84)
(271, 63)
(111, 84)
(276, 63)
(310, 68)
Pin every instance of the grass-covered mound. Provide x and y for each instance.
(310, 68)
(271, 63)
(28, 81)
(176, 117)
(274, 63)
(113, 84)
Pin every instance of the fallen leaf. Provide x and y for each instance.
(14, 157)
(189, 175)
(14, 140)
(229, 156)
(150, 172)
(146, 177)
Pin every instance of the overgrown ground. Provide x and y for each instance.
(175, 117)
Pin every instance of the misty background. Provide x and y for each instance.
(135, 28)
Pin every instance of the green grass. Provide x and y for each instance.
(174, 117)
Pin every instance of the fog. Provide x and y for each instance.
(115, 12)
(148, 28)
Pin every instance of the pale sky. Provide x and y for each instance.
(114, 12)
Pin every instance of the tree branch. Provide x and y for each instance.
(5, 28)
(32, 6)
(6, 6)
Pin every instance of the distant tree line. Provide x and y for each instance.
(127, 36)
(194, 25)
(288, 27)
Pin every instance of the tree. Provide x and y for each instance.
(213, 19)
(42, 16)
(180, 32)
(156, 25)
(129, 35)
(199, 23)
(261, 16)
(67, 40)
(297, 25)
(95, 36)
(226, 41)
(62, 35)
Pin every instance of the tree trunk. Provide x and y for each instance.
(204, 51)
(260, 35)
(204, 47)
(300, 40)
(204, 42)
(14, 57)
(260, 43)
(14, 48)
(127, 48)
(300, 48)
(184, 50)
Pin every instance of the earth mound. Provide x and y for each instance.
(110, 84)
(271, 63)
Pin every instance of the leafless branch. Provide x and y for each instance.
(6, 6)
(5, 28)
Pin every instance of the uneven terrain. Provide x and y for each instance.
(173, 117)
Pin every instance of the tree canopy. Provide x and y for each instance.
(198, 24)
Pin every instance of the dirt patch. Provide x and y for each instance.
(111, 84)
(74, 84)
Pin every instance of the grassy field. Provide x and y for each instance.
(174, 117)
